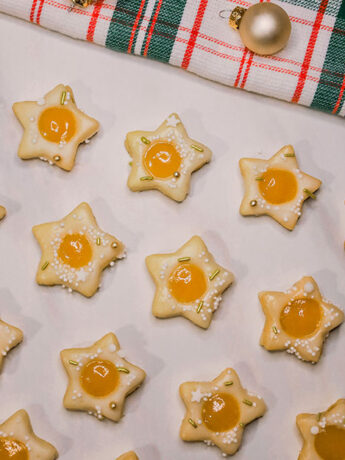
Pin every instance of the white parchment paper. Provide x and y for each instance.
(126, 93)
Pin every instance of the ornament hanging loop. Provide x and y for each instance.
(224, 14)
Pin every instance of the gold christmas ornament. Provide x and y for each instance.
(82, 3)
(265, 28)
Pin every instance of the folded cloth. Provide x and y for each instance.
(192, 35)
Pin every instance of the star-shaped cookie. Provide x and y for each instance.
(17, 440)
(75, 251)
(276, 187)
(165, 159)
(53, 127)
(10, 337)
(128, 456)
(2, 212)
(323, 433)
(218, 411)
(189, 283)
(100, 378)
(298, 320)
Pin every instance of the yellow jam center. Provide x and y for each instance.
(301, 317)
(187, 283)
(220, 412)
(162, 159)
(330, 443)
(99, 377)
(57, 124)
(75, 250)
(11, 449)
(278, 186)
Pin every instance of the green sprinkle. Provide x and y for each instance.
(289, 155)
(146, 178)
(98, 241)
(259, 178)
(63, 97)
(197, 148)
(274, 329)
(145, 140)
(73, 363)
(183, 259)
(214, 274)
(318, 418)
(201, 304)
(191, 421)
(123, 369)
(246, 401)
(309, 193)
(242, 425)
(130, 163)
(228, 384)
(45, 265)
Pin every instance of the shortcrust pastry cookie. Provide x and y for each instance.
(75, 251)
(165, 159)
(218, 411)
(323, 433)
(53, 127)
(128, 456)
(2, 212)
(10, 337)
(276, 187)
(298, 320)
(100, 378)
(189, 283)
(19, 442)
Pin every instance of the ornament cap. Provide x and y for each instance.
(82, 3)
(236, 17)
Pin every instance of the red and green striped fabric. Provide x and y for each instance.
(190, 34)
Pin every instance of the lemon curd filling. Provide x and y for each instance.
(75, 250)
(99, 377)
(11, 449)
(301, 317)
(162, 159)
(57, 124)
(330, 443)
(187, 283)
(278, 186)
(220, 412)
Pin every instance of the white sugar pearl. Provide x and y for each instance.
(308, 287)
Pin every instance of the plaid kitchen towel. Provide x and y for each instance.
(190, 34)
